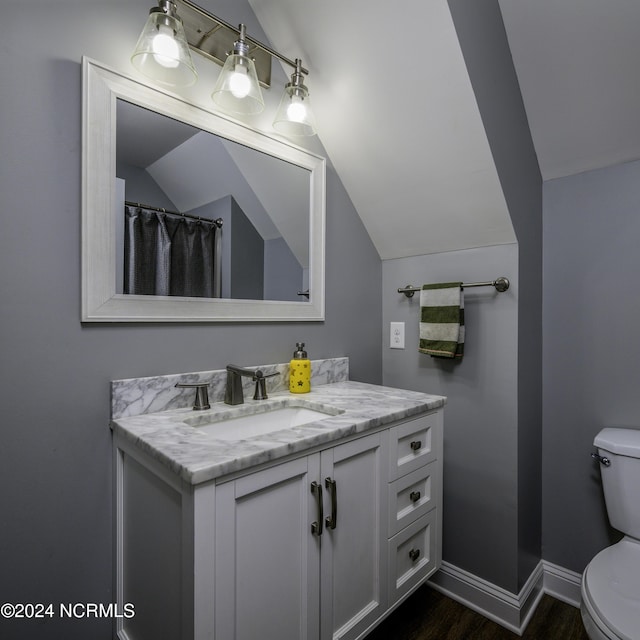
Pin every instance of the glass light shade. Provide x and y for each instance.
(237, 89)
(295, 116)
(162, 52)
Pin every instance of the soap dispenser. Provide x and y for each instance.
(300, 371)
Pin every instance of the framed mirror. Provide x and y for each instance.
(152, 159)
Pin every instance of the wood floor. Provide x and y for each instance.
(429, 615)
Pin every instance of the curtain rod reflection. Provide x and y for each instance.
(218, 221)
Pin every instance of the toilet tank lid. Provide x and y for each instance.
(625, 442)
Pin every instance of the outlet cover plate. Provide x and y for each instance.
(396, 335)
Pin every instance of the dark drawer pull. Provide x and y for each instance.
(416, 444)
(414, 554)
(414, 496)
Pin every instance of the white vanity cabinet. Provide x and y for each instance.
(319, 545)
(300, 547)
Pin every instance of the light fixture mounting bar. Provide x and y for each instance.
(214, 37)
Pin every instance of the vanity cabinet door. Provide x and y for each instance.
(278, 573)
(267, 560)
(353, 562)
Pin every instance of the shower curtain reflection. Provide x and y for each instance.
(168, 254)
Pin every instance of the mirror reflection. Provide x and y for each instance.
(200, 215)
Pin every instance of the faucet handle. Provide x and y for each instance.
(261, 384)
(202, 396)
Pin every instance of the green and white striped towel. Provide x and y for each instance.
(442, 320)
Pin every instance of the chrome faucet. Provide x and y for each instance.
(233, 393)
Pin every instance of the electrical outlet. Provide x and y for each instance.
(396, 335)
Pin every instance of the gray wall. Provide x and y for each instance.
(141, 188)
(486, 52)
(55, 454)
(283, 274)
(591, 353)
(481, 416)
(247, 256)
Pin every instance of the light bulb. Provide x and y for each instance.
(296, 111)
(239, 82)
(166, 51)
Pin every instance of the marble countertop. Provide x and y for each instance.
(198, 456)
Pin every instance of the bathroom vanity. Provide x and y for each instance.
(313, 531)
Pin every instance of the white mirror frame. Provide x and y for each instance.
(100, 300)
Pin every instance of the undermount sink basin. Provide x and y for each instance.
(257, 424)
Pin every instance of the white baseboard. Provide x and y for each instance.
(512, 611)
(562, 583)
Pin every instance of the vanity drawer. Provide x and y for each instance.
(413, 444)
(411, 496)
(412, 556)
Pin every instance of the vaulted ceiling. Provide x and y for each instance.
(399, 120)
(578, 66)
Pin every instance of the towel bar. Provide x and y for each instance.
(501, 284)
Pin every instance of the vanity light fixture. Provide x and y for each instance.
(294, 116)
(237, 89)
(162, 52)
(246, 64)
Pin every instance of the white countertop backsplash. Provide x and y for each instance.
(134, 396)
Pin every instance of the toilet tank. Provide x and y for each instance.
(621, 479)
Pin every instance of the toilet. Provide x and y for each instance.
(611, 582)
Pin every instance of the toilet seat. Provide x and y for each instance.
(596, 629)
(611, 590)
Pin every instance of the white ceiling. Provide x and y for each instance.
(399, 121)
(578, 64)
